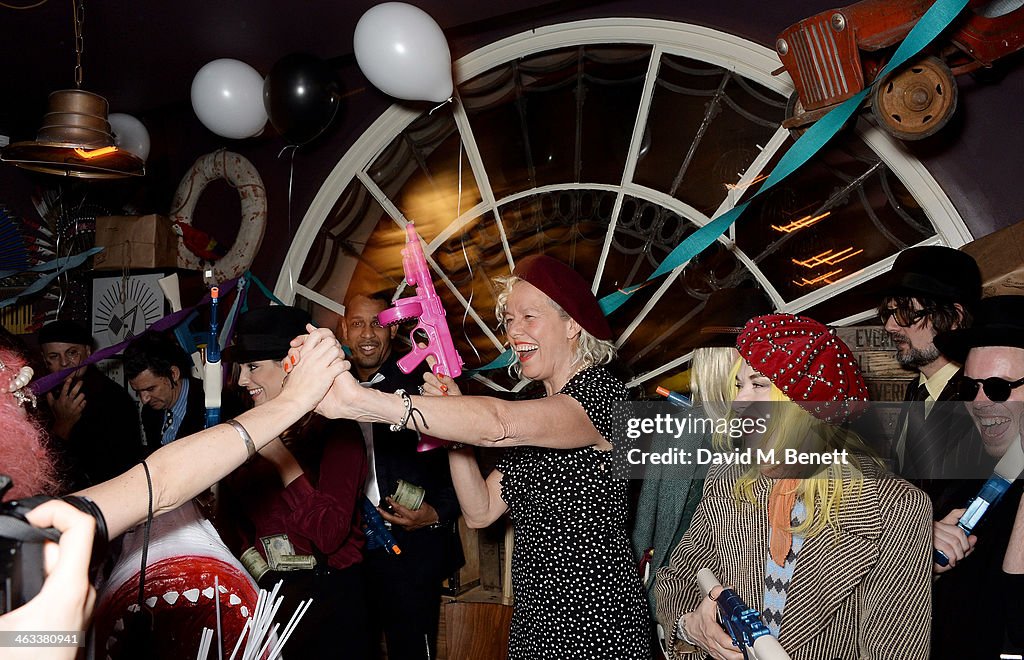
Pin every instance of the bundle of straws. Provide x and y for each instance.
(263, 640)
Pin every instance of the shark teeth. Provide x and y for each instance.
(171, 598)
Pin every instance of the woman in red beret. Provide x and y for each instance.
(577, 592)
(835, 556)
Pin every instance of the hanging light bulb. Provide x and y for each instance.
(75, 138)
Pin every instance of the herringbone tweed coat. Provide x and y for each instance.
(862, 594)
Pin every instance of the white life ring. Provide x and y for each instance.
(243, 177)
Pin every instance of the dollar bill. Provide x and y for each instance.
(281, 554)
(408, 495)
(254, 563)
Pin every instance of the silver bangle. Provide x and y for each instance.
(407, 402)
(250, 446)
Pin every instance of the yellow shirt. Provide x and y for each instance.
(934, 385)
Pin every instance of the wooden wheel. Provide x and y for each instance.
(916, 101)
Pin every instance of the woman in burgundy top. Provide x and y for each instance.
(296, 504)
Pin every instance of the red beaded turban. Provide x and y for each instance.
(805, 360)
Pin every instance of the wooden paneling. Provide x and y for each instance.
(477, 630)
(876, 355)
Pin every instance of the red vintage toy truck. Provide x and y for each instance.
(833, 55)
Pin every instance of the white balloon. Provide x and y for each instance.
(227, 96)
(402, 51)
(130, 134)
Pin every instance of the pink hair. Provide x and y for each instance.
(23, 451)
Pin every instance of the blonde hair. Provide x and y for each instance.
(712, 380)
(589, 351)
(789, 427)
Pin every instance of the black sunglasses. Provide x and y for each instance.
(902, 319)
(996, 389)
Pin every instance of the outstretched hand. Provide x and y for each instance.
(336, 400)
(312, 365)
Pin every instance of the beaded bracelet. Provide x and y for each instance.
(407, 402)
(681, 631)
(250, 446)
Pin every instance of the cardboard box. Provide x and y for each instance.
(1000, 256)
(146, 241)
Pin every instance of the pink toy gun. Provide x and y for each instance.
(425, 306)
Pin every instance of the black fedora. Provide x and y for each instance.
(934, 271)
(998, 321)
(264, 333)
(726, 312)
(64, 332)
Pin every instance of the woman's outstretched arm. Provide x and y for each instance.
(186, 467)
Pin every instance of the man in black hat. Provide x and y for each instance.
(930, 289)
(977, 595)
(95, 422)
(404, 591)
(174, 405)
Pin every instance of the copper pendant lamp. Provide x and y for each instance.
(75, 138)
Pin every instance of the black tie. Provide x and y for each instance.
(919, 452)
(168, 422)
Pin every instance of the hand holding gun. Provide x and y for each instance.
(743, 623)
(1009, 468)
(377, 533)
(425, 306)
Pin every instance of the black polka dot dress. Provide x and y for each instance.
(577, 592)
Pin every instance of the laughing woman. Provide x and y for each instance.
(577, 593)
(296, 502)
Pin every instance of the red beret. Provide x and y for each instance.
(805, 360)
(567, 288)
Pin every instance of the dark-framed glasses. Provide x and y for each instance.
(903, 318)
(996, 389)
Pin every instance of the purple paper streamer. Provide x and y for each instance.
(43, 385)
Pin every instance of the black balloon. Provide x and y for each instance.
(301, 95)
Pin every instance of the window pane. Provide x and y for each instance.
(540, 112)
(569, 225)
(842, 211)
(644, 235)
(564, 118)
(332, 257)
(419, 171)
(706, 125)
